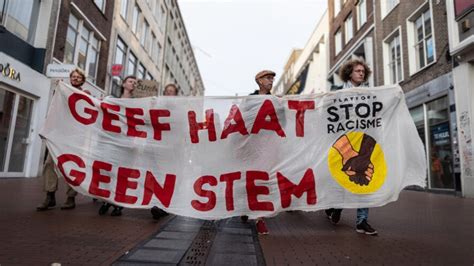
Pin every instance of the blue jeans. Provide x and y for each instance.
(362, 214)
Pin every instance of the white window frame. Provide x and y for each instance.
(124, 9)
(337, 7)
(348, 28)
(75, 58)
(135, 19)
(361, 9)
(386, 8)
(135, 66)
(144, 34)
(101, 8)
(387, 56)
(337, 42)
(411, 38)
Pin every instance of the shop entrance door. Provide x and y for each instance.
(15, 120)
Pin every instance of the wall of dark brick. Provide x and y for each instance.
(103, 22)
(336, 22)
(398, 17)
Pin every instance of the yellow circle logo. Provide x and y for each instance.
(356, 161)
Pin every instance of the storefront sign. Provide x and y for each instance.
(213, 158)
(59, 70)
(9, 72)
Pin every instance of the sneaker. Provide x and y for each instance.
(329, 213)
(104, 208)
(261, 227)
(244, 218)
(335, 216)
(157, 213)
(117, 211)
(365, 228)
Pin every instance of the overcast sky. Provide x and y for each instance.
(234, 39)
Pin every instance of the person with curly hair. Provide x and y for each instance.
(354, 73)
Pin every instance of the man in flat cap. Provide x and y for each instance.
(264, 80)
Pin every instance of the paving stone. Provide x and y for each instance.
(183, 228)
(233, 259)
(157, 256)
(222, 237)
(226, 247)
(176, 235)
(239, 231)
(168, 243)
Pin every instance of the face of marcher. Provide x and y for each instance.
(129, 85)
(358, 75)
(266, 83)
(170, 91)
(76, 80)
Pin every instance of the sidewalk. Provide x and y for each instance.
(420, 228)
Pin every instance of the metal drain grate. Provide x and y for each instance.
(202, 243)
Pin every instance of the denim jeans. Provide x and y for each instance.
(362, 214)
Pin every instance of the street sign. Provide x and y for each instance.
(59, 70)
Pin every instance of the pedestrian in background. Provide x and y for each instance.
(50, 177)
(354, 73)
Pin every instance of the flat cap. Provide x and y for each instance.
(264, 73)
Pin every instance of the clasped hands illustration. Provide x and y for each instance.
(357, 165)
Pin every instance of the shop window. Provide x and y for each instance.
(440, 161)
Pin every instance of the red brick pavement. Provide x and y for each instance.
(78, 236)
(419, 229)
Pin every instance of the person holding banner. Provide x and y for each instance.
(354, 73)
(170, 90)
(264, 81)
(128, 85)
(50, 177)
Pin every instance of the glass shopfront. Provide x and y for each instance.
(15, 121)
(434, 128)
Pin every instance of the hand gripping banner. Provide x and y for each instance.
(217, 157)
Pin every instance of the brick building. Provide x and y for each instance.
(413, 51)
(405, 43)
(351, 35)
(82, 38)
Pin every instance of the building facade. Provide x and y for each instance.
(24, 90)
(306, 69)
(137, 40)
(180, 66)
(82, 38)
(460, 19)
(351, 35)
(412, 51)
(406, 44)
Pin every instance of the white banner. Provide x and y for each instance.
(217, 157)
